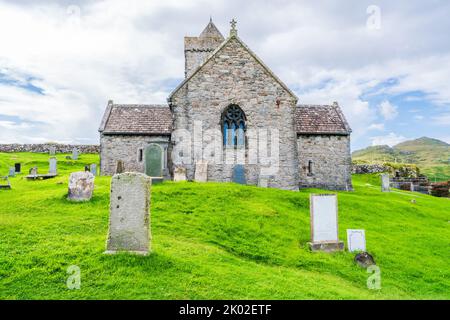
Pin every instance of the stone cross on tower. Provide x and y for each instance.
(233, 30)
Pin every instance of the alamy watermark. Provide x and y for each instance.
(74, 279)
(374, 280)
(374, 20)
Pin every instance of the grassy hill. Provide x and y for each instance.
(217, 241)
(432, 156)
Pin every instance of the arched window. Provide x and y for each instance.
(233, 124)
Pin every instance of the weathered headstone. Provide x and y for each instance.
(385, 184)
(17, 167)
(12, 172)
(324, 223)
(239, 174)
(356, 240)
(179, 174)
(364, 260)
(52, 165)
(93, 169)
(201, 171)
(129, 220)
(4, 183)
(52, 151)
(81, 186)
(33, 171)
(120, 167)
(263, 182)
(74, 154)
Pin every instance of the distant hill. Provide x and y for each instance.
(432, 156)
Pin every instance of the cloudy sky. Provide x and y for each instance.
(387, 63)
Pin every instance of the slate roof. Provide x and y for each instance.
(321, 119)
(137, 119)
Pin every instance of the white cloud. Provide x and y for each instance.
(443, 120)
(419, 117)
(387, 110)
(391, 139)
(377, 126)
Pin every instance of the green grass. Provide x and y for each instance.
(216, 241)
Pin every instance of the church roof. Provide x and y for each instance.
(137, 119)
(321, 119)
(211, 31)
(224, 43)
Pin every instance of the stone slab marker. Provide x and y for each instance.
(239, 174)
(18, 167)
(201, 171)
(324, 223)
(385, 186)
(74, 154)
(356, 240)
(179, 174)
(52, 165)
(129, 220)
(52, 151)
(81, 186)
(12, 172)
(93, 169)
(33, 171)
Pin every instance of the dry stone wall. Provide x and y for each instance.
(45, 148)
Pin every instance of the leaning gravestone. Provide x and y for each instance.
(81, 186)
(12, 172)
(17, 167)
(385, 186)
(74, 154)
(324, 223)
(356, 240)
(239, 174)
(201, 171)
(179, 174)
(93, 169)
(120, 167)
(52, 166)
(129, 220)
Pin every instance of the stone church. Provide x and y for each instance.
(234, 114)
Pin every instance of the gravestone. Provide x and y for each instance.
(129, 220)
(356, 240)
(4, 183)
(324, 223)
(12, 172)
(179, 174)
(81, 186)
(153, 161)
(17, 167)
(120, 167)
(86, 168)
(74, 154)
(93, 169)
(52, 165)
(263, 182)
(33, 171)
(385, 187)
(239, 174)
(52, 151)
(201, 171)
(364, 260)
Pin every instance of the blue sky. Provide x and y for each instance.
(387, 64)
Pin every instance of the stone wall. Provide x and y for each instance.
(330, 166)
(45, 148)
(127, 148)
(369, 168)
(233, 76)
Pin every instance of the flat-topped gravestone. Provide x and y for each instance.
(12, 172)
(179, 174)
(93, 169)
(52, 151)
(201, 171)
(239, 174)
(385, 185)
(17, 167)
(129, 220)
(81, 186)
(120, 166)
(356, 240)
(74, 154)
(52, 166)
(324, 223)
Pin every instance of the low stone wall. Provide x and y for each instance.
(45, 148)
(369, 168)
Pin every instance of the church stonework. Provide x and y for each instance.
(228, 103)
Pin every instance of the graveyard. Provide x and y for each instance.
(215, 241)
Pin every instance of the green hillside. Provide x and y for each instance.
(217, 241)
(432, 156)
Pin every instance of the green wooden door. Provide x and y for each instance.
(153, 161)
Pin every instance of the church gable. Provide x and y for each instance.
(234, 58)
